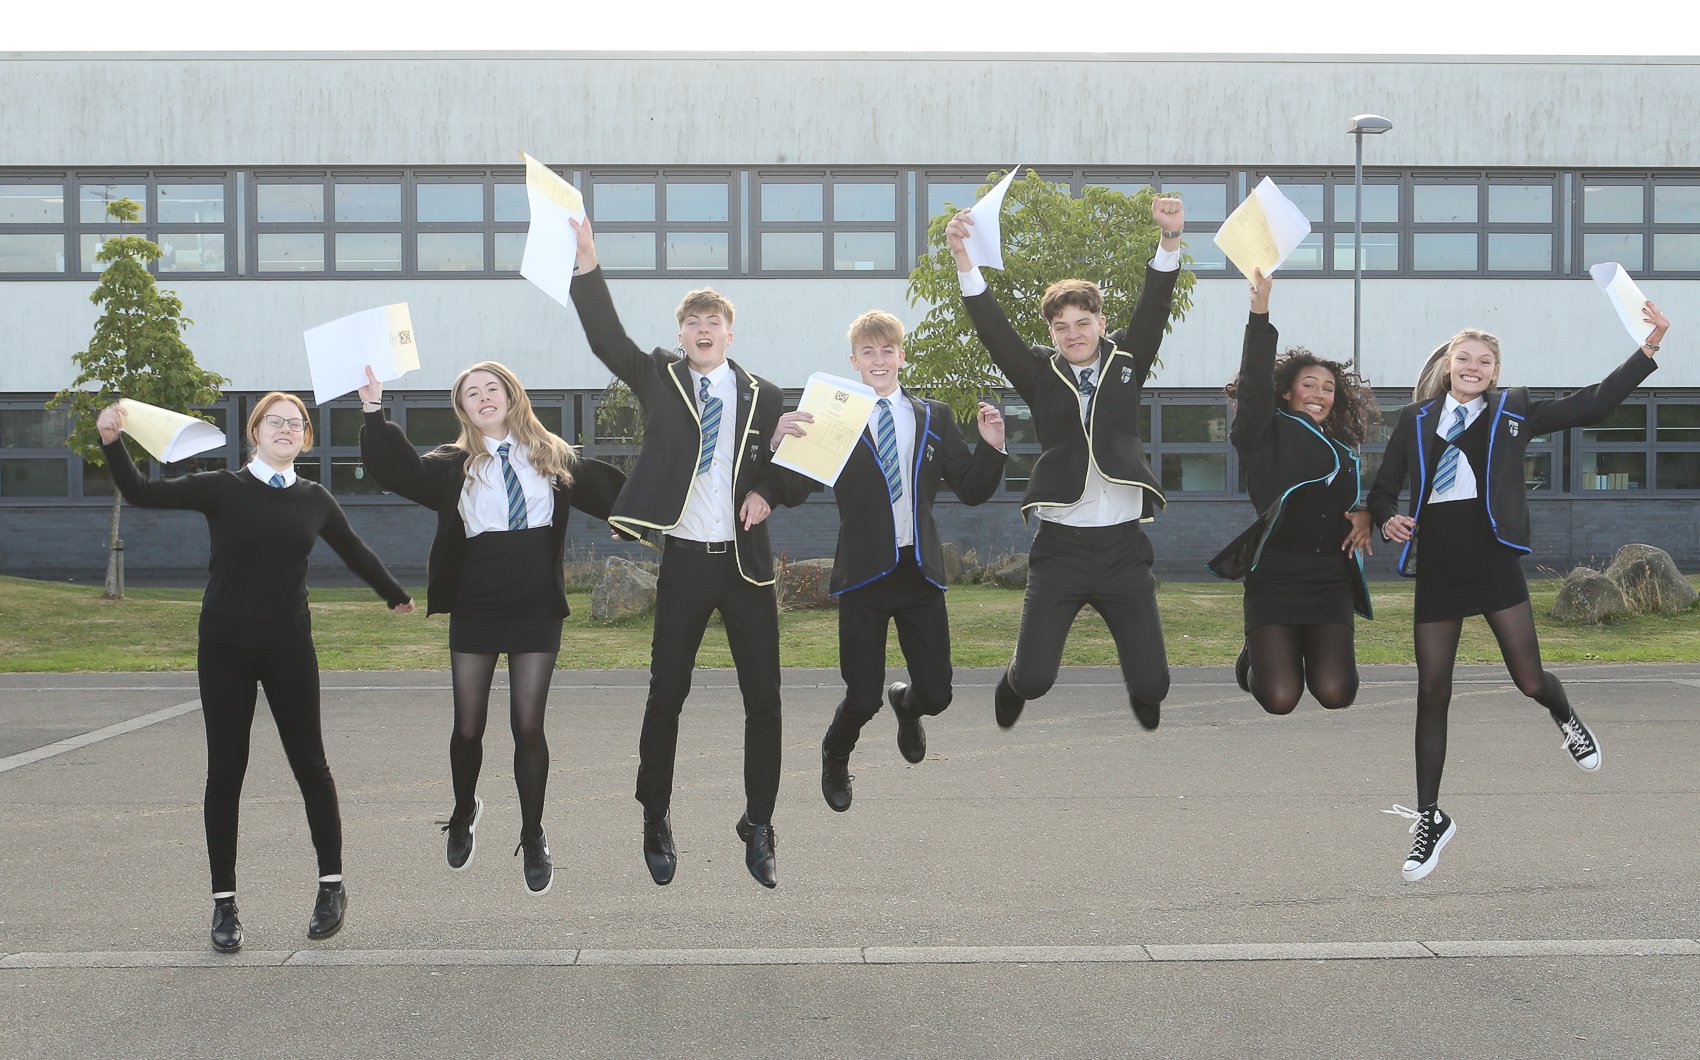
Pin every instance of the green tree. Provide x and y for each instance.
(137, 352)
(1103, 236)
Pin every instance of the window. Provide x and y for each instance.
(1190, 449)
(32, 226)
(656, 222)
(826, 222)
(185, 212)
(1614, 452)
(34, 463)
(1650, 223)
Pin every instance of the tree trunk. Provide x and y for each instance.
(114, 553)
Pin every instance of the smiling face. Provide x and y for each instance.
(1312, 393)
(1472, 367)
(878, 361)
(279, 433)
(1076, 333)
(484, 403)
(704, 336)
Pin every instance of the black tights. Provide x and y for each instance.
(1285, 658)
(1437, 652)
(529, 674)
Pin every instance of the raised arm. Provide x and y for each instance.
(394, 463)
(1254, 390)
(191, 492)
(973, 476)
(602, 327)
(359, 557)
(1019, 362)
(1589, 406)
(1149, 322)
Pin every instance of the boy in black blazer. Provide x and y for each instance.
(889, 566)
(700, 492)
(1091, 486)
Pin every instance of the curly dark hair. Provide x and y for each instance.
(1355, 407)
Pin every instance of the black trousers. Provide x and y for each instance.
(230, 679)
(691, 587)
(1108, 568)
(917, 606)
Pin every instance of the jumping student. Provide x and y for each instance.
(701, 491)
(501, 492)
(1091, 486)
(1458, 450)
(255, 632)
(888, 566)
(1298, 423)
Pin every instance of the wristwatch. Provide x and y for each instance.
(1650, 347)
(1176, 234)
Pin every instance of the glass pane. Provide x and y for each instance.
(1614, 471)
(698, 250)
(45, 477)
(292, 252)
(1676, 204)
(1128, 188)
(1678, 423)
(549, 416)
(449, 202)
(89, 245)
(191, 204)
(1206, 255)
(1204, 201)
(510, 250)
(1621, 247)
(1308, 198)
(1307, 256)
(1382, 429)
(290, 203)
(625, 250)
(1520, 204)
(1442, 203)
(450, 252)
(97, 481)
(1195, 471)
(211, 462)
(1443, 251)
(428, 427)
(191, 252)
(1195, 423)
(791, 251)
(309, 469)
(622, 202)
(864, 202)
(1018, 467)
(368, 202)
(1018, 424)
(1626, 423)
(859, 251)
(1679, 471)
(1519, 252)
(1381, 251)
(791, 202)
(697, 202)
(368, 251)
(1612, 203)
(32, 253)
(32, 204)
(1381, 203)
(1145, 419)
(34, 428)
(1370, 465)
(1676, 252)
(950, 195)
(511, 203)
(348, 477)
(617, 425)
(1537, 471)
(345, 425)
(93, 200)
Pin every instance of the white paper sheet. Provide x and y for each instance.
(1263, 231)
(840, 408)
(1625, 297)
(338, 352)
(551, 246)
(985, 236)
(169, 436)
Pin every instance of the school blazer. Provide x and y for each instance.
(1109, 440)
(867, 534)
(1516, 419)
(435, 481)
(1280, 451)
(659, 486)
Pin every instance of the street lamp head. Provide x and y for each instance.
(1368, 125)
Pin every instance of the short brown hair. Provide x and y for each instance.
(704, 300)
(1081, 294)
(267, 402)
(876, 326)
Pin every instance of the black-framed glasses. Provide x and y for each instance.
(294, 425)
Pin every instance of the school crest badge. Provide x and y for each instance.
(1513, 428)
(1127, 375)
(929, 452)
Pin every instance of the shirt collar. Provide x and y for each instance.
(264, 472)
(1474, 405)
(715, 378)
(492, 444)
(1095, 365)
(898, 399)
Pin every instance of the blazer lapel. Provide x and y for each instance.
(681, 373)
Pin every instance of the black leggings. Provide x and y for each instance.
(230, 678)
(529, 674)
(1286, 658)
(1437, 652)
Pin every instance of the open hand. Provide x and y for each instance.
(991, 425)
(790, 424)
(1357, 539)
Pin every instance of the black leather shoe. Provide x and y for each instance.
(226, 928)
(327, 911)
(539, 868)
(1147, 713)
(911, 736)
(759, 846)
(463, 836)
(1242, 670)
(1008, 703)
(835, 780)
(658, 851)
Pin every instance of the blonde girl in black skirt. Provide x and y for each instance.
(501, 492)
(1458, 451)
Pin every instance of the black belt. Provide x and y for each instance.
(1090, 532)
(712, 547)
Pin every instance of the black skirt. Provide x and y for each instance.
(1298, 589)
(1462, 569)
(505, 600)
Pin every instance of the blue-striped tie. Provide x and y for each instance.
(1447, 472)
(276, 479)
(516, 497)
(710, 426)
(1089, 388)
(887, 438)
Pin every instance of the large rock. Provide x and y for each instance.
(1650, 581)
(802, 584)
(1008, 571)
(1588, 599)
(624, 589)
(951, 553)
(1580, 572)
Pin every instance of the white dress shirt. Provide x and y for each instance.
(903, 422)
(264, 472)
(1463, 486)
(708, 514)
(484, 506)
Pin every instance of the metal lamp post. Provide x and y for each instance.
(1362, 125)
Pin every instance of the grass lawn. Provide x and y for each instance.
(47, 626)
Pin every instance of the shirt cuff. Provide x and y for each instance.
(974, 283)
(1166, 260)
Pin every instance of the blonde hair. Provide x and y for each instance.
(704, 300)
(259, 413)
(551, 455)
(876, 326)
(1435, 379)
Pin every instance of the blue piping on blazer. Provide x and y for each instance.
(914, 503)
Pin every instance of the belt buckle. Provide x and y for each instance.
(714, 548)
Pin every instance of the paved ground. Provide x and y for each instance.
(1225, 886)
